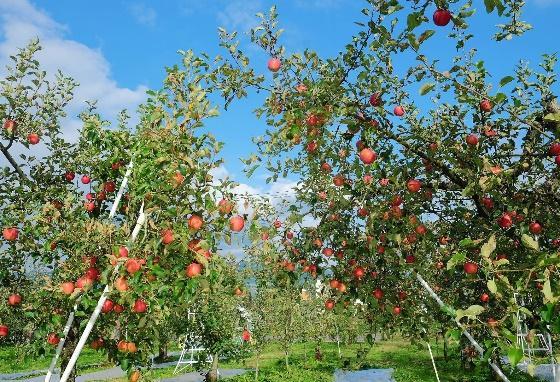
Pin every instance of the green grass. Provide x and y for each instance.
(411, 363)
(14, 360)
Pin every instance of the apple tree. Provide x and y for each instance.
(418, 166)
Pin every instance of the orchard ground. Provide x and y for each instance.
(410, 362)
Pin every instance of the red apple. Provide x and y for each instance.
(396, 310)
(4, 331)
(470, 268)
(485, 105)
(442, 17)
(167, 236)
(375, 99)
(97, 344)
(488, 202)
(33, 138)
(236, 223)
(121, 284)
(246, 335)
(311, 147)
(472, 140)
(118, 308)
(193, 270)
(326, 167)
(368, 179)
(110, 186)
(274, 64)
(535, 228)
(413, 185)
(484, 297)
(359, 272)
(69, 176)
(86, 179)
(328, 252)
(421, 229)
(338, 180)
(132, 266)
(67, 287)
(195, 222)
(492, 322)
(334, 283)
(10, 233)
(108, 305)
(89, 206)
(14, 299)
(329, 304)
(53, 339)
(10, 125)
(92, 273)
(554, 149)
(399, 111)
(409, 259)
(140, 306)
(225, 206)
(505, 220)
(368, 156)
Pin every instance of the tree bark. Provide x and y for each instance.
(212, 375)
(257, 367)
(69, 346)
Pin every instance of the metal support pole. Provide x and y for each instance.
(479, 348)
(70, 319)
(97, 311)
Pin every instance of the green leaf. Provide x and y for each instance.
(492, 287)
(515, 355)
(426, 88)
(547, 291)
(488, 247)
(471, 312)
(426, 35)
(413, 20)
(490, 5)
(457, 258)
(506, 80)
(529, 242)
(552, 117)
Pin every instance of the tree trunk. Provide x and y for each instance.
(162, 353)
(286, 359)
(212, 375)
(257, 367)
(69, 346)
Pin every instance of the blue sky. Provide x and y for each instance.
(117, 49)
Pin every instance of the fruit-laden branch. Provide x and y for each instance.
(14, 164)
(444, 169)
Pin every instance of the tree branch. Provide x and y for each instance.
(14, 164)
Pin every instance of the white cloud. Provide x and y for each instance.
(240, 15)
(21, 22)
(143, 14)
